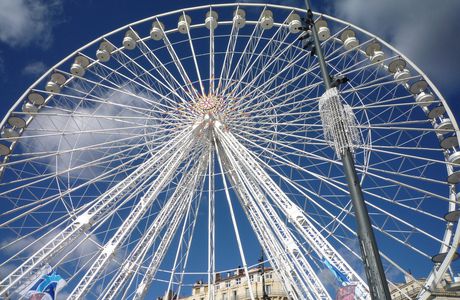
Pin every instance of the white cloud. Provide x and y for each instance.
(423, 30)
(23, 22)
(82, 130)
(34, 69)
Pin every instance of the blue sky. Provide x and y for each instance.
(36, 34)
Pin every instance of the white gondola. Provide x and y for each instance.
(444, 126)
(375, 53)
(455, 158)
(130, 40)
(104, 51)
(157, 31)
(398, 68)
(77, 70)
(55, 83)
(58, 78)
(9, 133)
(211, 19)
(323, 31)
(184, 23)
(294, 23)
(266, 22)
(436, 112)
(17, 122)
(424, 99)
(52, 87)
(349, 39)
(454, 178)
(4, 150)
(402, 76)
(29, 108)
(36, 98)
(79, 65)
(239, 18)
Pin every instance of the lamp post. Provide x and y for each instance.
(375, 274)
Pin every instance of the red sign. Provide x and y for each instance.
(346, 293)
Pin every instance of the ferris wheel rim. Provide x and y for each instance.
(225, 5)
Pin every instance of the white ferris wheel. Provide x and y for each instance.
(136, 162)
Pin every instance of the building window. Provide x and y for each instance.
(268, 289)
(251, 277)
(268, 276)
(235, 297)
(217, 286)
(224, 296)
(247, 292)
(238, 281)
(227, 284)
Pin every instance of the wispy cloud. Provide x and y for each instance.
(423, 30)
(26, 22)
(34, 69)
(87, 134)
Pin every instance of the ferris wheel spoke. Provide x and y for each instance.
(291, 211)
(165, 74)
(291, 164)
(281, 33)
(95, 99)
(191, 231)
(261, 106)
(275, 92)
(386, 213)
(278, 74)
(136, 69)
(192, 49)
(229, 54)
(212, 71)
(247, 52)
(120, 95)
(37, 157)
(104, 72)
(39, 178)
(133, 193)
(180, 68)
(288, 163)
(341, 186)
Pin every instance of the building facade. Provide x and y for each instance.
(234, 286)
(448, 289)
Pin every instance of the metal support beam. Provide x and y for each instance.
(370, 254)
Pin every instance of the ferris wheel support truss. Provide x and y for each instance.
(314, 238)
(27, 272)
(131, 264)
(160, 251)
(267, 237)
(166, 173)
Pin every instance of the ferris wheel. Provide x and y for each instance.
(134, 163)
